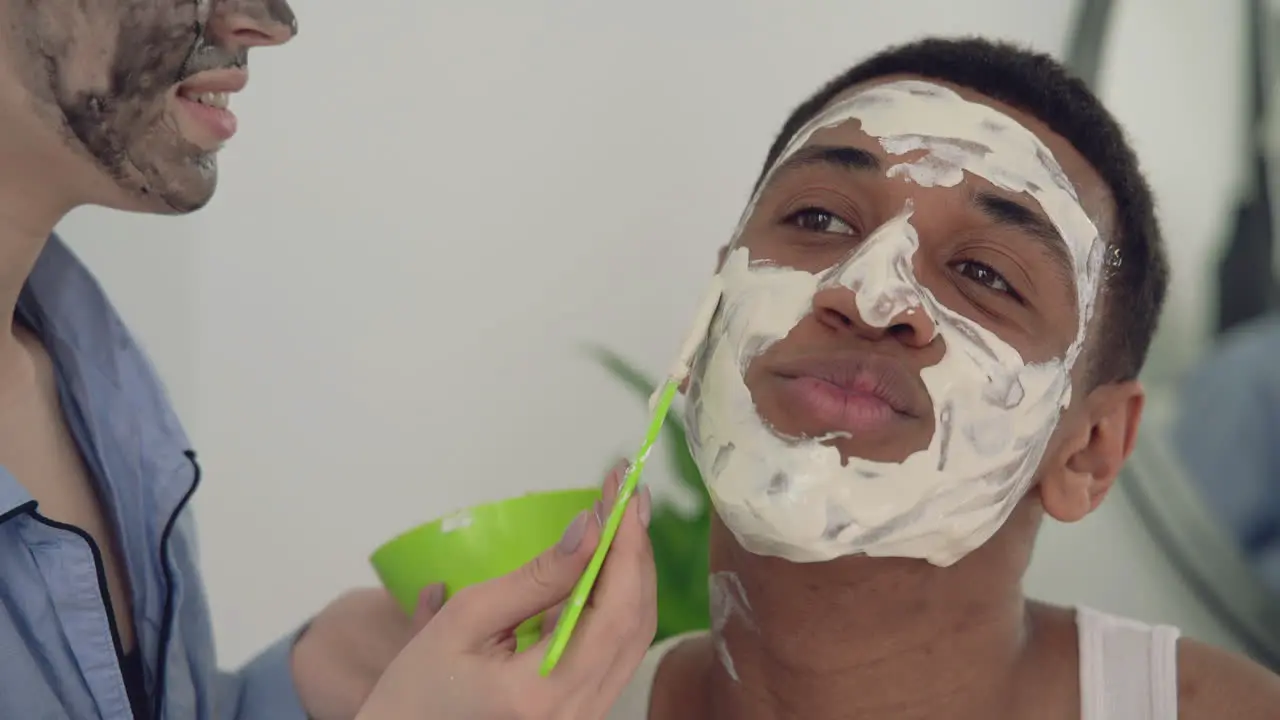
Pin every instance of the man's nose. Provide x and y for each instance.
(836, 307)
(243, 24)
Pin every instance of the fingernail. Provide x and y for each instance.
(598, 509)
(432, 598)
(645, 509)
(613, 480)
(573, 534)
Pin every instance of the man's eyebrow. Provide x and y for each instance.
(843, 157)
(1013, 214)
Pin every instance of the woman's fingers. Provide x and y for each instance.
(634, 549)
(479, 614)
(549, 620)
(491, 610)
(430, 600)
(617, 628)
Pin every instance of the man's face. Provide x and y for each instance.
(905, 299)
(138, 87)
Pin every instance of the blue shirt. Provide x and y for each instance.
(1228, 435)
(59, 648)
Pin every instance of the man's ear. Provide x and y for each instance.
(1098, 441)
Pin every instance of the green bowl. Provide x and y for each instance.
(478, 544)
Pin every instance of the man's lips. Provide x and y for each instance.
(850, 393)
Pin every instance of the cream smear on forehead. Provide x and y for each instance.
(993, 412)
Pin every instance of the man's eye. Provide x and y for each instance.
(818, 220)
(984, 275)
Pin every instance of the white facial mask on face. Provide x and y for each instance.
(993, 412)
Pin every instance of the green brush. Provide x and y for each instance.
(660, 404)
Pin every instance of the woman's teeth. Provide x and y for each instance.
(212, 99)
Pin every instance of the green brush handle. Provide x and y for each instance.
(578, 599)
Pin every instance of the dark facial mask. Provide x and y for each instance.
(124, 116)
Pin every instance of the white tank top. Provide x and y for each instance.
(1128, 671)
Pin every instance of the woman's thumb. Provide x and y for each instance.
(430, 600)
(485, 610)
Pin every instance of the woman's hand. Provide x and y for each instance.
(462, 663)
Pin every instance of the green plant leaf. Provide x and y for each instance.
(680, 539)
(682, 463)
(683, 603)
(629, 374)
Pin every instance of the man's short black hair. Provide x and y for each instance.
(1137, 273)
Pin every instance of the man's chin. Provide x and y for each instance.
(852, 449)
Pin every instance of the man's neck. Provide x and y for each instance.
(870, 637)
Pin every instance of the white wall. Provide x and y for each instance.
(429, 209)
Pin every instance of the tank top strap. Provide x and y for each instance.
(1128, 669)
(633, 703)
